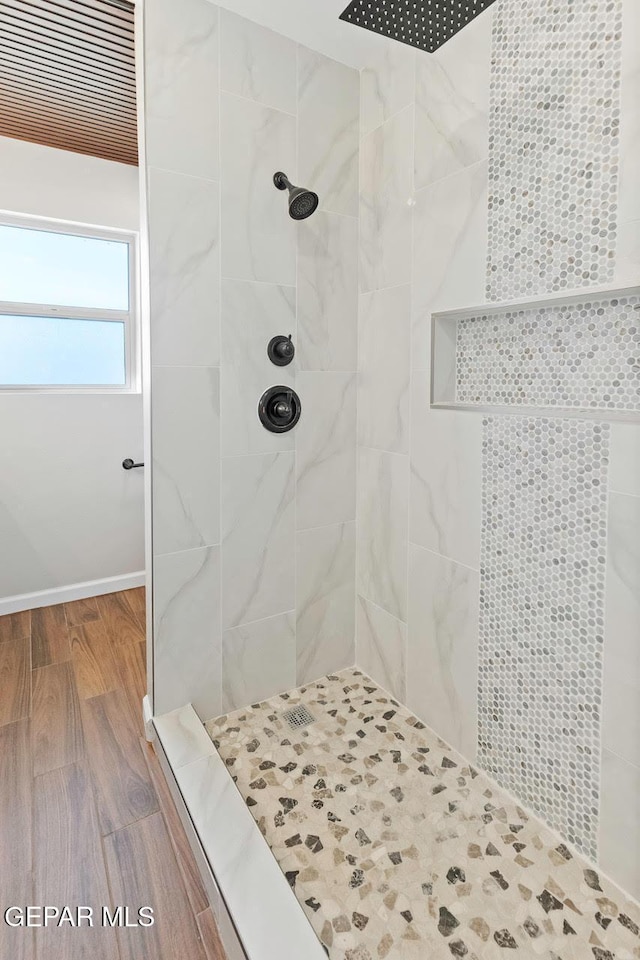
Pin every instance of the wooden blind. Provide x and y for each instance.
(67, 75)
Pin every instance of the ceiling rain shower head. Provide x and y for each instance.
(426, 25)
(302, 202)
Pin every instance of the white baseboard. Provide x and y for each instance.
(74, 591)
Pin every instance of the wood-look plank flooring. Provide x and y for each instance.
(86, 817)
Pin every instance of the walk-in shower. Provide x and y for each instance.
(437, 560)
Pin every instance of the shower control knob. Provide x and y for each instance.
(279, 409)
(281, 350)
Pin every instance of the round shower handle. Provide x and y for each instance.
(279, 409)
(281, 350)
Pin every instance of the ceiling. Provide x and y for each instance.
(67, 75)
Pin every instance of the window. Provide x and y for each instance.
(67, 307)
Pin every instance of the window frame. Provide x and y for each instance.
(129, 317)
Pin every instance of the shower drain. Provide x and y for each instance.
(298, 717)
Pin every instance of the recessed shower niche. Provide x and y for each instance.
(574, 355)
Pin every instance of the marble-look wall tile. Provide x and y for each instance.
(186, 599)
(328, 130)
(387, 87)
(442, 654)
(627, 268)
(452, 104)
(257, 63)
(381, 647)
(621, 712)
(184, 254)
(258, 537)
(620, 822)
(327, 292)
(186, 457)
(326, 449)
(622, 601)
(628, 193)
(449, 250)
(383, 482)
(450, 242)
(446, 478)
(624, 467)
(258, 660)
(252, 313)
(386, 197)
(325, 602)
(181, 86)
(384, 362)
(259, 239)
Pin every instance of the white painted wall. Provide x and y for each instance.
(69, 513)
(67, 186)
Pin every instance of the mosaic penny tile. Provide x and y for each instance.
(553, 145)
(542, 589)
(396, 847)
(581, 355)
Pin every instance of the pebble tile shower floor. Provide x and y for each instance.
(396, 847)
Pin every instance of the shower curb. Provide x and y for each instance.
(258, 915)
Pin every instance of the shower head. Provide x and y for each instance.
(410, 22)
(302, 202)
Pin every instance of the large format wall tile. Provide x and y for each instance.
(259, 239)
(621, 711)
(326, 449)
(628, 193)
(325, 602)
(186, 455)
(627, 269)
(622, 603)
(381, 645)
(252, 313)
(620, 822)
(258, 660)
(624, 469)
(184, 269)
(383, 483)
(258, 537)
(181, 76)
(445, 487)
(386, 193)
(257, 63)
(384, 361)
(442, 654)
(387, 87)
(186, 597)
(328, 130)
(452, 104)
(327, 292)
(449, 250)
